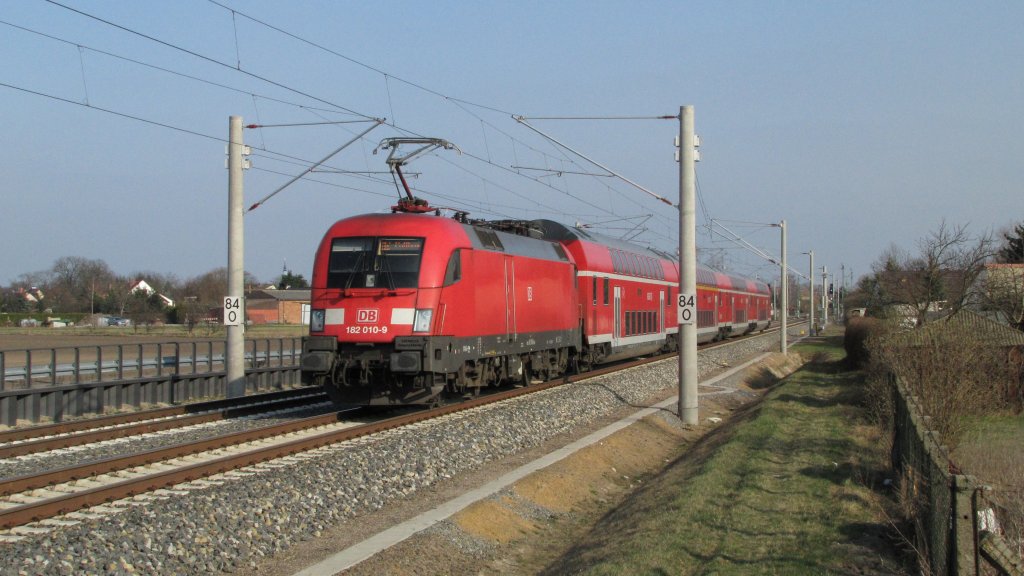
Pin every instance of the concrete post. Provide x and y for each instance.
(688, 373)
(235, 351)
(810, 276)
(784, 344)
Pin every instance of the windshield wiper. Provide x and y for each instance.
(387, 271)
(355, 269)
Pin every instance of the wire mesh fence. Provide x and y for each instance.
(961, 526)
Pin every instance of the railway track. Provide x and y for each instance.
(38, 497)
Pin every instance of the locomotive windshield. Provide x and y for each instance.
(368, 262)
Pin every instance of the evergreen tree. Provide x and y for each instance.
(1012, 252)
(292, 281)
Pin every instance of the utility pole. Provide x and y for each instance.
(784, 345)
(235, 348)
(810, 299)
(688, 374)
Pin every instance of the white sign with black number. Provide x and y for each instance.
(686, 307)
(233, 311)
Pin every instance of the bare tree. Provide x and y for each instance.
(75, 282)
(943, 275)
(210, 288)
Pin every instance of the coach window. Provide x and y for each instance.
(595, 290)
(605, 291)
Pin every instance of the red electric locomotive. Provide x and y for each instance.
(406, 306)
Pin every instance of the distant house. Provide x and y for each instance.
(277, 306)
(1006, 277)
(142, 286)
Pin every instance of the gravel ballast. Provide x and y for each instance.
(239, 518)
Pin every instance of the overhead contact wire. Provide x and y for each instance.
(208, 59)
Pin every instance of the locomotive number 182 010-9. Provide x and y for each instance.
(366, 329)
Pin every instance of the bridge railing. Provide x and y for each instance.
(50, 384)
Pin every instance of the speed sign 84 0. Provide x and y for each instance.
(233, 313)
(686, 308)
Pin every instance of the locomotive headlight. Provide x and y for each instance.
(317, 317)
(421, 322)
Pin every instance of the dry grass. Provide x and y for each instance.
(992, 452)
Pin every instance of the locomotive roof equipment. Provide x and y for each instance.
(395, 161)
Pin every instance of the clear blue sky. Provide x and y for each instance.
(862, 124)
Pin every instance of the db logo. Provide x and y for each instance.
(367, 316)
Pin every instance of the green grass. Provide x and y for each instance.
(786, 490)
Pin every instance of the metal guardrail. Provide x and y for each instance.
(108, 362)
(56, 383)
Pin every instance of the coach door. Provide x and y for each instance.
(617, 309)
(661, 312)
(510, 298)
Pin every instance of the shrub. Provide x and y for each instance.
(953, 373)
(858, 331)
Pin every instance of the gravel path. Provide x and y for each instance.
(236, 519)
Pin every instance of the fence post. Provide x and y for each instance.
(964, 528)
